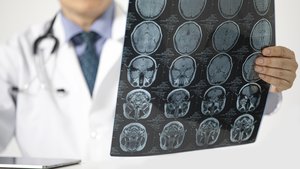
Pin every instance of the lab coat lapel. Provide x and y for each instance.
(69, 72)
(67, 75)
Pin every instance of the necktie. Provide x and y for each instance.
(89, 59)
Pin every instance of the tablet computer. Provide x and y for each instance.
(34, 163)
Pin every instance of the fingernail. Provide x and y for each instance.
(259, 61)
(266, 52)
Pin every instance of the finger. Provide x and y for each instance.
(277, 73)
(278, 51)
(279, 84)
(280, 63)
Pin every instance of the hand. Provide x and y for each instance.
(277, 67)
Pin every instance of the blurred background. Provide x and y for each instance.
(278, 143)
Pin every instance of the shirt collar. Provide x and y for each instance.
(102, 26)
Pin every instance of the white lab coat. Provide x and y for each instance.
(47, 123)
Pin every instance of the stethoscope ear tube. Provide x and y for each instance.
(48, 34)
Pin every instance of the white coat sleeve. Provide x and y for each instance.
(8, 79)
(273, 102)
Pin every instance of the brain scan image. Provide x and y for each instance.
(133, 137)
(261, 35)
(182, 71)
(187, 38)
(172, 136)
(208, 132)
(138, 105)
(242, 128)
(219, 69)
(187, 75)
(230, 8)
(248, 98)
(191, 9)
(214, 101)
(150, 9)
(262, 6)
(178, 103)
(142, 71)
(249, 73)
(146, 37)
(226, 36)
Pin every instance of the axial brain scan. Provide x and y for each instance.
(219, 69)
(249, 98)
(261, 35)
(262, 6)
(150, 9)
(249, 73)
(191, 9)
(133, 137)
(146, 37)
(138, 105)
(242, 128)
(208, 132)
(178, 103)
(187, 38)
(172, 136)
(214, 101)
(230, 8)
(182, 71)
(187, 79)
(226, 36)
(141, 71)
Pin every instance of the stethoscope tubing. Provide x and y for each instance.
(41, 63)
(49, 34)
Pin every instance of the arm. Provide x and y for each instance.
(7, 115)
(7, 102)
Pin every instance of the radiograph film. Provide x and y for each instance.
(230, 8)
(187, 78)
(187, 38)
(208, 132)
(219, 69)
(191, 9)
(142, 71)
(182, 71)
(178, 103)
(172, 136)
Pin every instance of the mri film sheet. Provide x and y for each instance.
(187, 77)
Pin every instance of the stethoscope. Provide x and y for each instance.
(42, 76)
(48, 35)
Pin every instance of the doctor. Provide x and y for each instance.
(53, 100)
